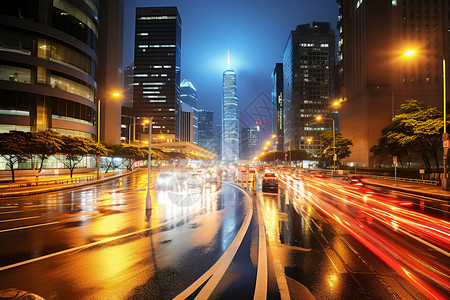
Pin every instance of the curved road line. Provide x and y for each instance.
(217, 271)
(261, 274)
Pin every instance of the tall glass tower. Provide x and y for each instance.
(230, 123)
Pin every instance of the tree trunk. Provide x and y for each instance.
(41, 164)
(13, 178)
(71, 172)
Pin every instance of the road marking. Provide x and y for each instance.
(261, 275)
(218, 269)
(11, 220)
(107, 240)
(26, 227)
(280, 275)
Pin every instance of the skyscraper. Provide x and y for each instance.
(277, 104)
(218, 141)
(49, 61)
(250, 143)
(157, 69)
(230, 122)
(308, 79)
(188, 96)
(376, 76)
(206, 129)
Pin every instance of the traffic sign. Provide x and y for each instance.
(446, 143)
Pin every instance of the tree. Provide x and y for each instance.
(75, 148)
(45, 144)
(416, 128)
(272, 156)
(15, 148)
(128, 153)
(342, 148)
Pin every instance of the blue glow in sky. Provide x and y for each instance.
(255, 33)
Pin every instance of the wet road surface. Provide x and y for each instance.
(95, 242)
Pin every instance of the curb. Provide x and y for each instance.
(60, 188)
(416, 192)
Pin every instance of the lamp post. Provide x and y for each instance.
(318, 118)
(445, 137)
(115, 95)
(148, 198)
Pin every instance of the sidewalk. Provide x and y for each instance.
(29, 186)
(428, 190)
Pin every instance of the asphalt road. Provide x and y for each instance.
(95, 243)
(337, 241)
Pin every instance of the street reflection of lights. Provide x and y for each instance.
(332, 280)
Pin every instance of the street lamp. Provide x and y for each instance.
(148, 198)
(319, 118)
(445, 136)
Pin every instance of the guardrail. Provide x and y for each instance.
(59, 181)
(431, 182)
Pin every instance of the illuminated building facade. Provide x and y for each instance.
(308, 84)
(48, 66)
(188, 97)
(206, 129)
(277, 104)
(157, 58)
(376, 77)
(230, 122)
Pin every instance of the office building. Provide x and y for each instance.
(186, 128)
(128, 121)
(206, 129)
(250, 143)
(48, 66)
(218, 141)
(376, 75)
(157, 70)
(110, 73)
(188, 97)
(230, 122)
(308, 84)
(277, 104)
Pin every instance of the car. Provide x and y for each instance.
(163, 181)
(195, 180)
(270, 183)
(354, 179)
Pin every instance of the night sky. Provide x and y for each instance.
(255, 33)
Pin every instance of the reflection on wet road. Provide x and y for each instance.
(340, 241)
(95, 242)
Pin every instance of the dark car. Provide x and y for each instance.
(354, 179)
(270, 183)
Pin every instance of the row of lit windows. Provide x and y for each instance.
(156, 46)
(151, 75)
(314, 45)
(157, 18)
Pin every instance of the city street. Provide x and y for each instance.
(95, 242)
(317, 238)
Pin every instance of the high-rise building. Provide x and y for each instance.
(157, 69)
(110, 74)
(128, 123)
(230, 122)
(186, 128)
(308, 84)
(376, 77)
(188, 96)
(218, 141)
(250, 143)
(206, 129)
(48, 66)
(277, 104)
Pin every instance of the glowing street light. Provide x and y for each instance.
(410, 52)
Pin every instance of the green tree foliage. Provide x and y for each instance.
(15, 147)
(342, 148)
(272, 156)
(416, 128)
(45, 144)
(75, 148)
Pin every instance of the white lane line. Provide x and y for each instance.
(222, 260)
(209, 287)
(261, 275)
(18, 219)
(26, 227)
(107, 240)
